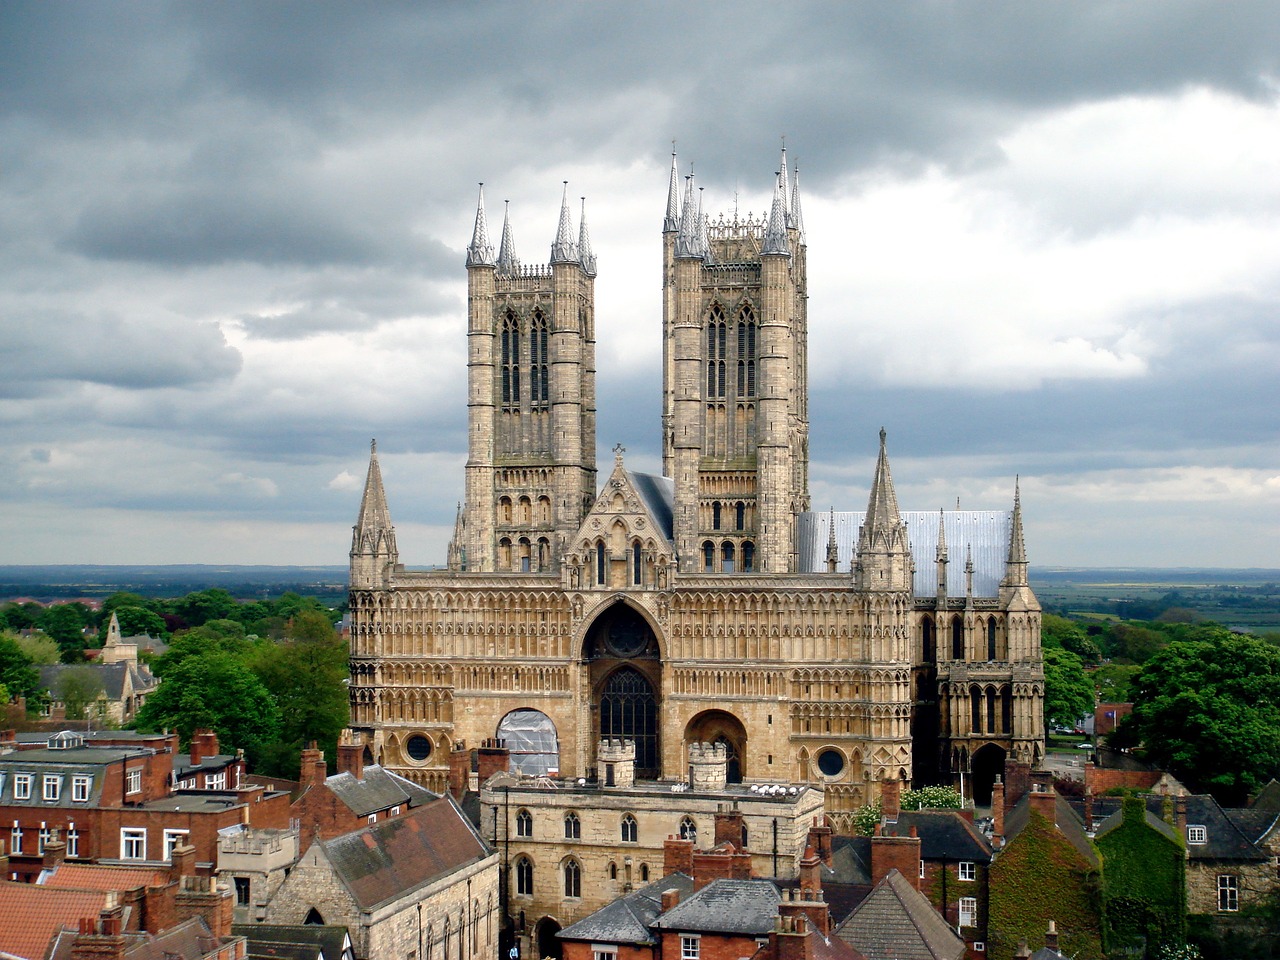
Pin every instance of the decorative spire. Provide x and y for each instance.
(584, 244)
(1016, 568)
(671, 222)
(784, 186)
(688, 240)
(833, 549)
(457, 551)
(564, 250)
(373, 533)
(508, 262)
(113, 631)
(775, 235)
(704, 231)
(882, 507)
(941, 560)
(942, 538)
(884, 556)
(968, 574)
(797, 215)
(480, 253)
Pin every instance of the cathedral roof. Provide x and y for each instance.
(658, 494)
(986, 532)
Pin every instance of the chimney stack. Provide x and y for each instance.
(459, 770)
(312, 766)
(900, 853)
(350, 755)
(677, 856)
(890, 799)
(997, 812)
(729, 828)
(204, 744)
(493, 757)
(1051, 937)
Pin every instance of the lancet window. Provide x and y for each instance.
(539, 390)
(717, 344)
(510, 336)
(747, 332)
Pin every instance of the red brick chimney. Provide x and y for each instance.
(677, 856)
(1044, 800)
(1017, 780)
(1051, 937)
(1088, 809)
(459, 770)
(1180, 816)
(808, 903)
(820, 838)
(810, 872)
(790, 939)
(890, 799)
(900, 853)
(351, 757)
(670, 898)
(101, 939)
(725, 862)
(182, 862)
(313, 768)
(204, 897)
(997, 812)
(493, 758)
(729, 828)
(204, 743)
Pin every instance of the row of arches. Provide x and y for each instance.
(729, 556)
(524, 555)
(988, 640)
(524, 510)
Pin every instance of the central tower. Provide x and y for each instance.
(735, 381)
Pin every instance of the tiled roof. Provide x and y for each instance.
(92, 876)
(658, 494)
(376, 790)
(187, 940)
(945, 835)
(30, 915)
(294, 942)
(1065, 819)
(627, 920)
(389, 859)
(896, 921)
(747, 907)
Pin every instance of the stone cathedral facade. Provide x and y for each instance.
(706, 605)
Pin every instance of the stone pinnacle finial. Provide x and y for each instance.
(564, 250)
(775, 234)
(689, 240)
(480, 252)
(671, 222)
(585, 253)
(797, 216)
(508, 262)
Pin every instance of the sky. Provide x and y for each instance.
(1043, 242)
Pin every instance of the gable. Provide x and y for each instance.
(630, 507)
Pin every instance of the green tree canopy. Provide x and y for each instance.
(78, 686)
(16, 672)
(37, 648)
(1062, 632)
(218, 691)
(224, 636)
(135, 621)
(205, 605)
(1068, 692)
(65, 623)
(1209, 712)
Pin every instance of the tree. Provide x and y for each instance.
(932, 798)
(16, 672)
(226, 636)
(205, 605)
(218, 691)
(37, 648)
(77, 687)
(1068, 693)
(1113, 681)
(1209, 712)
(135, 621)
(1069, 635)
(65, 622)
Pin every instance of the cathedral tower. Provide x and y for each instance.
(531, 469)
(735, 371)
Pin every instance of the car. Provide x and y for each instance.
(1084, 746)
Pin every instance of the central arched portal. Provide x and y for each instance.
(622, 655)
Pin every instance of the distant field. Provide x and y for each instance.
(1243, 599)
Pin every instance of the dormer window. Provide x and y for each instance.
(52, 787)
(1197, 834)
(22, 786)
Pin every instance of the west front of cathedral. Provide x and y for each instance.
(706, 605)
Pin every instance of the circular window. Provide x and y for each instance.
(830, 762)
(418, 747)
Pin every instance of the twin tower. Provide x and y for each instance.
(735, 432)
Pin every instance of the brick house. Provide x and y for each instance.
(1144, 878)
(895, 921)
(410, 886)
(112, 800)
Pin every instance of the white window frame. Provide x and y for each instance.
(967, 870)
(373, 818)
(133, 843)
(73, 840)
(967, 912)
(690, 947)
(216, 781)
(171, 838)
(81, 787)
(979, 946)
(22, 785)
(51, 787)
(921, 869)
(43, 837)
(1197, 834)
(1228, 893)
(395, 811)
(604, 951)
(15, 838)
(133, 780)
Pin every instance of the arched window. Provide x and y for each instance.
(504, 509)
(727, 556)
(708, 556)
(572, 826)
(572, 879)
(510, 361)
(600, 563)
(740, 516)
(504, 554)
(644, 873)
(748, 556)
(746, 352)
(975, 697)
(957, 638)
(991, 638)
(715, 516)
(524, 876)
(526, 555)
(927, 640)
(717, 343)
(538, 389)
(637, 568)
(688, 829)
(630, 829)
(544, 553)
(524, 824)
(313, 918)
(613, 870)
(991, 710)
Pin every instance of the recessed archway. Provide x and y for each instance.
(719, 726)
(624, 671)
(545, 936)
(987, 763)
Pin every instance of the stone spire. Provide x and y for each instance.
(564, 250)
(671, 222)
(775, 234)
(587, 256)
(373, 538)
(797, 215)
(704, 231)
(833, 549)
(689, 240)
(457, 554)
(968, 575)
(941, 558)
(1016, 567)
(508, 262)
(113, 631)
(884, 556)
(480, 252)
(784, 186)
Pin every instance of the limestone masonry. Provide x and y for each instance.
(709, 605)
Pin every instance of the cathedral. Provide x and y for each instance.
(709, 605)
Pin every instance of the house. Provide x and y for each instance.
(410, 885)
(896, 922)
(1144, 878)
(255, 861)
(305, 942)
(123, 683)
(1046, 867)
(190, 939)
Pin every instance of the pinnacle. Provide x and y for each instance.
(480, 251)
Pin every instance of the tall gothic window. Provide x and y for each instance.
(524, 877)
(748, 556)
(957, 638)
(510, 360)
(600, 563)
(572, 879)
(991, 638)
(717, 343)
(747, 352)
(538, 387)
(637, 558)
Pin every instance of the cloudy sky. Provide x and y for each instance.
(1044, 239)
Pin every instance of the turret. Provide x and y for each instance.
(941, 560)
(775, 234)
(1015, 571)
(884, 556)
(508, 262)
(373, 538)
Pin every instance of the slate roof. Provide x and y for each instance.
(1224, 840)
(628, 919)
(90, 761)
(30, 915)
(1116, 819)
(658, 494)
(945, 835)
(1069, 825)
(1268, 797)
(896, 921)
(294, 942)
(387, 860)
(376, 791)
(92, 876)
(746, 907)
(183, 767)
(188, 940)
(1254, 823)
(112, 676)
